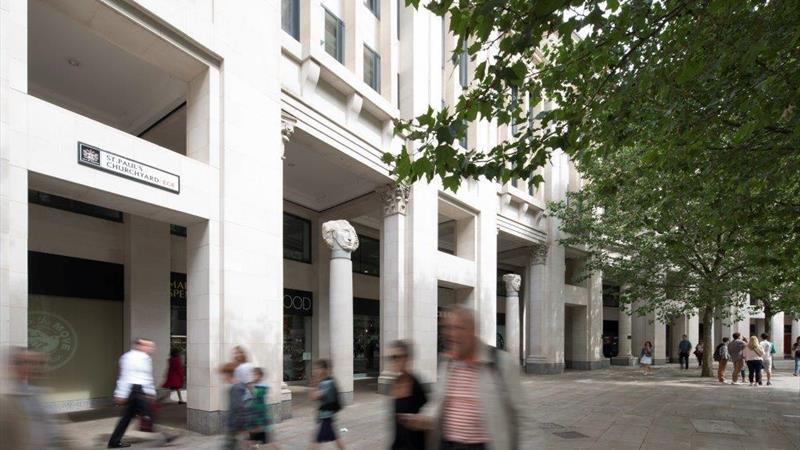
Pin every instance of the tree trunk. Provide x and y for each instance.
(767, 318)
(708, 350)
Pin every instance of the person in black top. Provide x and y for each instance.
(409, 397)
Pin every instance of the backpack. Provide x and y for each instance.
(336, 404)
(718, 352)
(772, 350)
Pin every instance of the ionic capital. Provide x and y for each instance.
(394, 198)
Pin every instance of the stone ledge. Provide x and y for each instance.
(544, 368)
(623, 361)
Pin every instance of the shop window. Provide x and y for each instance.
(375, 7)
(296, 238)
(74, 206)
(372, 68)
(366, 336)
(290, 17)
(298, 309)
(334, 36)
(367, 257)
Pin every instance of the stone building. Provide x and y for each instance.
(167, 170)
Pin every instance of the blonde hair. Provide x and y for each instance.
(753, 345)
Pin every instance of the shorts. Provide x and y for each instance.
(326, 432)
(646, 360)
(262, 437)
(767, 364)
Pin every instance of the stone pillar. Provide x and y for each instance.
(393, 282)
(795, 333)
(760, 327)
(147, 302)
(342, 241)
(693, 329)
(287, 129)
(624, 356)
(513, 282)
(538, 359)
(776, 333)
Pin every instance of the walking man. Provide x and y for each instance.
(736, 349)
(769, 349)
(684, 349)
(135, 389)
(722, 355)
(475, 405)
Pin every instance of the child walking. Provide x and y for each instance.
(260, 420)
(328, 396)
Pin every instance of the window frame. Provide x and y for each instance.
(340, 35)
(375, 62)
(294, 32)
(374, 6)
(310, 249)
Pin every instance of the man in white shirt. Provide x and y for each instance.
(135, 388)
(766, 345)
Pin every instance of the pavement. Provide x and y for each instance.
(615, 409)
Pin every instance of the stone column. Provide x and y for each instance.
(342, 241)
(513, 282)
(776, 333)
(287, 129)
(537, 360)
(624, 356)
(795, 332)
(393, 281)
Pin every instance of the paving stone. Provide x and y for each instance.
(717, 426)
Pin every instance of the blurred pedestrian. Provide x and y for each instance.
(684, 348)
(699, 351)
(135, 390)
(476, 404)
(174, 379)
(259, 419)
(408, 397)
(769, 350)
(327, 393)
(796, 348)
(646, 358)
(25, 423)
(754, 356)
(243, 372)
(237, 411)
(722, 355)
(736, 351)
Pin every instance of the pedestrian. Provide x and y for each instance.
(135, 390)
(259, 419)
(736, 351)
(646, 358)
(237, 410)
(327, 393)
(408, 397)
(754, 356)
(722, 355)
(174, 378)
(769, 350)
(796, 348)
(243, 373)
(684, 348)
(744, 339)
(476, 403)
(698, 352)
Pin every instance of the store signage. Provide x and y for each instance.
(124, 167)
(297, 303)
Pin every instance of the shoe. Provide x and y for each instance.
(120, 444)
(181, 403)
(769, 383)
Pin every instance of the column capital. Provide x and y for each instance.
(341, 238)
(538, 254)
(513, 282)
(394, 198)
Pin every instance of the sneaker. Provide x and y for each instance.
(120, 444)
(769, 383)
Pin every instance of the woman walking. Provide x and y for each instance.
(698, 353)
(408, 397)
(796, 349)
(646, 358)
(174, 380)
(754, 356)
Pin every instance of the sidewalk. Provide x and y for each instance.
(615, 409)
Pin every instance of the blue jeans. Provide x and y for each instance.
(797, 365)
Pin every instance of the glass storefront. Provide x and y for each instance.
(177, 314)
(366, 337)
(297, 312)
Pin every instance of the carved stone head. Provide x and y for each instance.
(513, 282)
(339, 234)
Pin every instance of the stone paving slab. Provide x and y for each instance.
(613, 409)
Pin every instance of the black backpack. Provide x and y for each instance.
(718, 352)
(336, 404)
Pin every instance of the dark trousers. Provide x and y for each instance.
(754, 370)
(683, 359)
(138, 403)
(446, 445)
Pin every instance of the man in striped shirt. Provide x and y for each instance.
(475, 405)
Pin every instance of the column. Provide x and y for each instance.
(147, 300)
(287, 129)
(624, 356)
(393, 282)
(539, 359)
(795, 332)
(342, 241)
(693, 329)
(513, 282)
(594, 324)
(776, 333)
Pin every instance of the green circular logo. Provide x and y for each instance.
(53, 336)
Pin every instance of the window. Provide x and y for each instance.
(514, 100)
(367, 257)
(290, 17)
(399, 9)
(334, 36)
(464, 141)
(177, 230)
(372, 69)
(398, 90)
(374, 6)
(611, 296)
(74, 206)
(463, 62)
(296, 238)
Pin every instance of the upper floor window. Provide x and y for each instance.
(290, 17)
(367, 257)
(334, 36)
(296, 238)
(372, 68)
(514, 101)
(74, 206)
(374, 6)
(463, 62)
